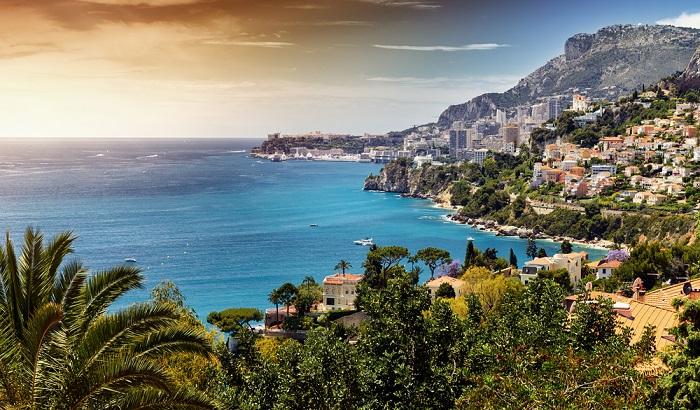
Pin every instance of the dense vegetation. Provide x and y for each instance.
(349, 144)
(498, 346)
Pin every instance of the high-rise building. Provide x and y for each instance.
(523, 114)
(458, 141)
(554, 108)
(511, 133)
(501, 117)
(539, 113)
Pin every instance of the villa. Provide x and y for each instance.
(572, 262)
(434, 284)
(339, 291)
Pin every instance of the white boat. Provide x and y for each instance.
(130, 260)
(470, 238)
(364, 242)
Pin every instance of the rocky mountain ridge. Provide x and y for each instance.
(609, 63)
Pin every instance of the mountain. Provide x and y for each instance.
(690, 78)
(609, 63)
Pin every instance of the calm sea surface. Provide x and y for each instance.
(225, 227)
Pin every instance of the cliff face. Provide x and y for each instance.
(691, 75)
(609, 63)
(424, 182)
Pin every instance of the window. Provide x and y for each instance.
(346, 292)
(330, 301)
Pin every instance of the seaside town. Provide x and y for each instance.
(532, 241)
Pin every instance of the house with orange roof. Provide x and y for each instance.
(605, 269)
(339, 291)
(434, 284)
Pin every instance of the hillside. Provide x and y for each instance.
(609, 63)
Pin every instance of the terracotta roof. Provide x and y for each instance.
(609, 264)
(664, 296)
(540, 261)
(445, 279)
(339, 279)
(642, 315)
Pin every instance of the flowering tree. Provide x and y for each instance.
(452, 269)
(617, 255)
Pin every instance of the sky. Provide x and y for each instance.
(244, 68)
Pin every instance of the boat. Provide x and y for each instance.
(470, 238)
(314, 225)
(364, 242)
(130, 260)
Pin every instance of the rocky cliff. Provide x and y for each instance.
(609, 63)
(432, 182)
(691, 75)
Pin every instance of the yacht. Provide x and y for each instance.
(470, 238)
(314, 225)
(364, 242)
(130, 260)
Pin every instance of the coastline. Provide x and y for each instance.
(486, 225)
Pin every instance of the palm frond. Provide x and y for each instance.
(36, 345)
(119, 374)
(172, 340)
(150, 399)
(109, 334)
(13, 287)
(60, 246)
(104, 287)
(32, 272)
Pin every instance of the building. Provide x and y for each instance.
(601, 168)
(580, 103)
(540, 113)
(458, 141)
(604, 269)
(572, 262)
(480, 155)
(554, 107)
(339, 291)
(511, 133)
(434, 284)
(501, 117)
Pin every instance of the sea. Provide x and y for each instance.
(225, 227)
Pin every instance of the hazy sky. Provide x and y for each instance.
(245, 68)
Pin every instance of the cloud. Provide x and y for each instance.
(420, 5)
(684, 20)
(466, 47)
(264, 44)
(307, 6)
(153, 3)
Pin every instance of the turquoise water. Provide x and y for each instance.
(224, 227)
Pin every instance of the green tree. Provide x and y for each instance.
(233, 320)
(275, 297)
(65, 346)
(308, 293)
(432, 258)
(566, 247)
(445, 290)
(531, 249)
(343, 265)
(287, 293)
(513, 260)
(541, 253)
(470, 254)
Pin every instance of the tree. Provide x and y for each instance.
(308, 293)
(287, 293)
(470, 253)
(541, 253)
(566, 247)
(233, 320)
(445, 290)
(275, 297)
(432, 258)
(531, 249)
(513, 259)
(343, 265)
(64, 345)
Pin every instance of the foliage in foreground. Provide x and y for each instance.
(62, 345)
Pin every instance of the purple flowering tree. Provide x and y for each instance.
(617, 255)
(452, 269)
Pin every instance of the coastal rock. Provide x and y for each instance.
(403, 178)
(609, 63)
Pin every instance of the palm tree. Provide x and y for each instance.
(343, 265)
(275, 298)
(287, 293)
(60, 347)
